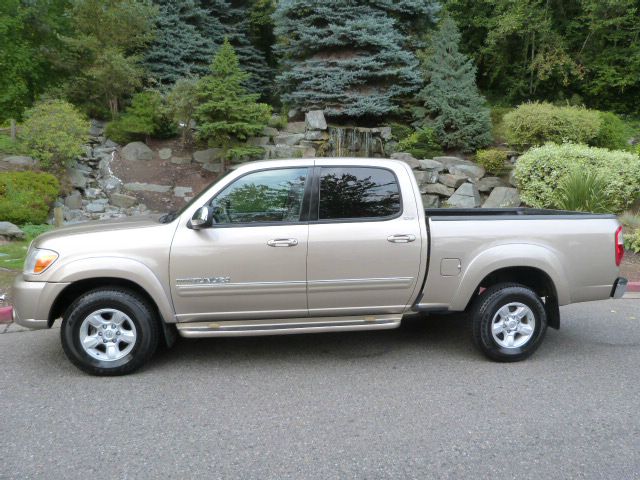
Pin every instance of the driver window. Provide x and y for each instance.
(261, 197)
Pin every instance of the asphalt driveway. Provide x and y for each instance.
(418, 402)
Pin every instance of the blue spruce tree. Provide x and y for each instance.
(349, 58)
(189, 34)
(457, 110)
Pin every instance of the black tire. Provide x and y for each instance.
(140, 314)
(486, 307)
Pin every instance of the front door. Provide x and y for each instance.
(251, 263)
(365, 244)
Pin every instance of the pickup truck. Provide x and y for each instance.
(312, 245)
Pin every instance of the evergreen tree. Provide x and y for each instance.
(227, 113)
(457, 110)
(349, 58)
(190, 32)
(144, 116)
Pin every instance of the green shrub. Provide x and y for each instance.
(12, 147)
(400, 131)
(584, 192)
(54, 132)
(492, 159)
(632, 241)
(421, 144)
(538, 123)
(146, 116)
(541, 169)
(630, 220)
(497, 122)
(613, 133)
(115, 131)
(26, 197)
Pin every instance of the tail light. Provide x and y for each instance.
(619, 246)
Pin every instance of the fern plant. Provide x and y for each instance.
(584, 192)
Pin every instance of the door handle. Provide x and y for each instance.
(401, 238)
(283, 242)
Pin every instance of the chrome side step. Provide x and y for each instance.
(248, 328)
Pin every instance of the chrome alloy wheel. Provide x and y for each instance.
(107, 334)
(513, 325)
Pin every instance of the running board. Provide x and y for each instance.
(250, 328)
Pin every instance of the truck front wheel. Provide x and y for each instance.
(109, 331)
(509, 322)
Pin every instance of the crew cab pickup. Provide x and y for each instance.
(312, 245)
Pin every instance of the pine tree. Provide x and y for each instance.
(189, 33)
(457, 109)
(349, 58)
(227, 113)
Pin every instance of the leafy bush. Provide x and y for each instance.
(492, 159)
(147, 116)
(497, 122)
(541, 169)
(630, 220)
(538, 123)
(632, 241)
(583, 192)
(400, 131)
(54, 132)
(613, 133)
(25, 197)
(421, 144)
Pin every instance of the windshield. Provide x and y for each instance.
(171, 216)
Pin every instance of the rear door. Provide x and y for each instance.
(364, 240)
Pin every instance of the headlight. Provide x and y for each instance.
(38, 260)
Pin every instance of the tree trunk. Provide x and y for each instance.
(13, 129)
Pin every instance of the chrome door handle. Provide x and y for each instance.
(401, 238)
(283, 242)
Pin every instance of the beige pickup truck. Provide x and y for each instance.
(312, 245)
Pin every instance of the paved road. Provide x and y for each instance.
(417, 402)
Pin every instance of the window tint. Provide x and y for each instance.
(358, 192)
(267, 196)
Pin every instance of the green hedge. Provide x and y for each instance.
(422, 143)
(26, 197)
(541, 170)
(493, 160)
(538, 123)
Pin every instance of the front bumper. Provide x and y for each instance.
(619, 287)
(32, 301)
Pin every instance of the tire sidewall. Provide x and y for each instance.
(126, 303)
(490, 306)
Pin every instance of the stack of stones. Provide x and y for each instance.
(457, 183)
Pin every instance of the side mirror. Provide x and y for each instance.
(202, 218)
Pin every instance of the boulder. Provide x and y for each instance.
(466, 196)
(258, 141)
(385, 133)
(207, 156)
(77, 178)
(450, 180)
(146, 187)
(110, 184)
(430, 201)
(110, 144)
(270, 132)
(315, 120)
(316, 135)
(73, 200)
(20, 160)
(165, 153)
(123, 201)
(512, 178)
(431, 165)
(136, 151)
(472, 172)
(212, 167)
(426, 176)
(436, 189)
(95, 207)
(406, 158)
(503, 197)
(182, 191)
(487, 184)
(288, 139)
(92, 193)
(295, 127)
(9, 231)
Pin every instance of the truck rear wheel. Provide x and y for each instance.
(509, 322)
(109, 332)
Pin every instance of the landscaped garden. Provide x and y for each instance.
(114, 108)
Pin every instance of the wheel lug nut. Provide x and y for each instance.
(100, 333)
(104, 341)
(113, 325)
(118, 332)
(104, 326)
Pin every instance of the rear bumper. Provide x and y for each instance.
(32, 302)
(619, 287)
